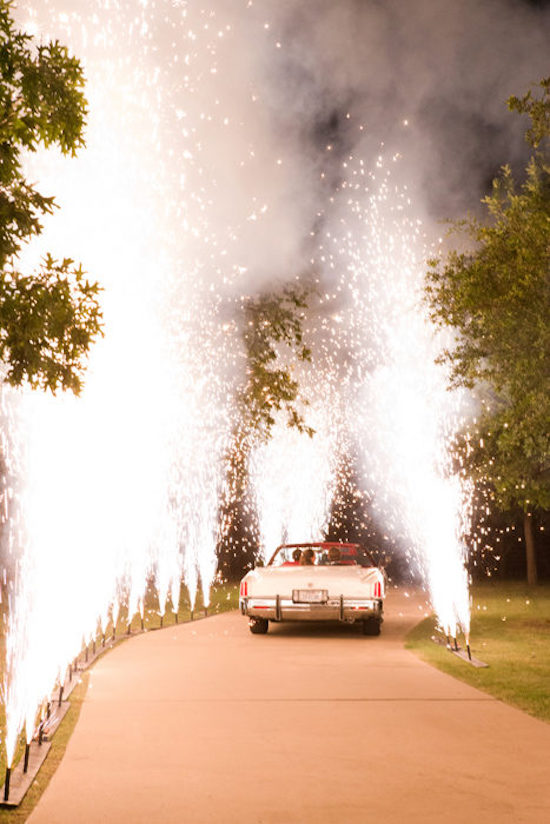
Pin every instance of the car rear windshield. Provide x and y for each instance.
(297, 555)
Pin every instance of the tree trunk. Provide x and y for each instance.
(530, 554)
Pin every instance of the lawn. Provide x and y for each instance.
(223, 597)
(511, 633)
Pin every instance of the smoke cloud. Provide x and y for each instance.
(241, 100)
(352, 73)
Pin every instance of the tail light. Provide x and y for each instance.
(244, 589)
(378, 590)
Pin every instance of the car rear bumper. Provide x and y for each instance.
(336, 609)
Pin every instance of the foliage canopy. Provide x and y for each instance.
(497, 298)
(273, 321)
(49, 318)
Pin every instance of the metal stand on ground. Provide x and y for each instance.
(454, 649)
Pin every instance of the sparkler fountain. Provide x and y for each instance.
(122, 483)
(294, 474)
(404, 417)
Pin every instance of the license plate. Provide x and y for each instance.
(310, 596)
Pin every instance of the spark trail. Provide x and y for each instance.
(120, 485)
(403, 416)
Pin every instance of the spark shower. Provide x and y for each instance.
(185, 200)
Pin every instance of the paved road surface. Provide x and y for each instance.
(205, 723)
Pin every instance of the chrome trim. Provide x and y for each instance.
(336, 609)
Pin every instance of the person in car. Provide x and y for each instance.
(334, 555)
(296, 556)
(308, 557)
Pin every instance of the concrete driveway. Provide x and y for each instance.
(205, 723)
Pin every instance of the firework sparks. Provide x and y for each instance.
(122, 485)
(403, 415)
(294, 477)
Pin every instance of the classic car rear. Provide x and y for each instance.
(348, 589)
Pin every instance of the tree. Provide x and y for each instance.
(272, 321)
(497, 298)
(49, 318)
(272, 336)
(538, 110)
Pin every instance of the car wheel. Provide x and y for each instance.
(258, 626)
(372, 626)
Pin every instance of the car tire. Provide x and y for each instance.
(372, 626)
(258, 626)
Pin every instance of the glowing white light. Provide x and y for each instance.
(294, 475)
(403, 414)
(121, 484)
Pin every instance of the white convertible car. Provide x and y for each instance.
(315, 582)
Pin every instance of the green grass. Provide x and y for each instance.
(511, 633)
(223, 597)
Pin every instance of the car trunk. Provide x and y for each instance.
(349, 581)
